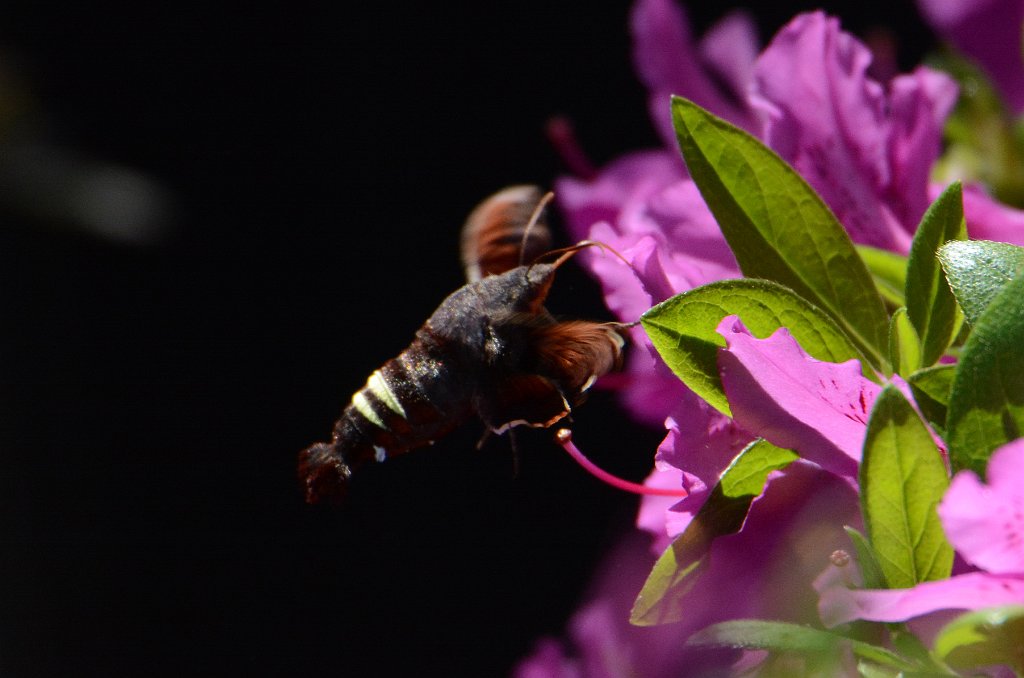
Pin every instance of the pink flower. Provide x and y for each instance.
(988, 31)
(777, 392)
(700, 444)
(985, 524)
(715, 73)
(816, 408)
(866, 149)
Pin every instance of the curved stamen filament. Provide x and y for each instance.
(564, 438)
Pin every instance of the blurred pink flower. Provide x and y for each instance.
(984, 523)
(988, 31)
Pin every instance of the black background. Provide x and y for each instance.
(322, 160)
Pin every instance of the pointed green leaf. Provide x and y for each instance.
(682, 329)
(931, 387)
(983, 638)
(867, 560)
(724, 511)
(777, 226)
(757, 634)
(904, 346)
(986, 404)
(902, 479)
(888, 270)
(977, 270)
(930, 303)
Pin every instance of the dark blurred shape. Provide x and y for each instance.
(57, 186)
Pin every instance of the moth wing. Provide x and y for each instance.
(496, 237)
(575, 353)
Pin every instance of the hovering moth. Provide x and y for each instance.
(490, 350)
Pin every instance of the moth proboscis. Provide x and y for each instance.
(490, 349)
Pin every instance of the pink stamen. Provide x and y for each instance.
(564, 438)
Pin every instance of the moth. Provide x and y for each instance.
(490, 350)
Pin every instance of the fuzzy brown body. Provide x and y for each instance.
(490, 350)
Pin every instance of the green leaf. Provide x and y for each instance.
(985, 637)
(977, 270)
(902, 479)
(888, 270)
(682, 329)
(778, 227)
(724, 511)
(930, 303)
(904, 346)
(756, 634)
(986, 404)
(867, 560)
(931, 387)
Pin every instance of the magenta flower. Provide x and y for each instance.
(988, 31)
(700, 444)
(715, 73)
(985, 524)
(865, 149)
(817, 408)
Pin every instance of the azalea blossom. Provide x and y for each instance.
(816, 408)
(989, 32)
(865, 148)
(984, 523)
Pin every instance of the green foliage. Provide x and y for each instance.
(755, 634)
(889, 271)
(986, 403)
(931, 387)
(993, 636)
(977, 270)
(804, 274)
(682, 329)
(930, 304)
(904, 344)
(778, 227)
(902, 479)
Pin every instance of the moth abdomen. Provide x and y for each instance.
(408, 403)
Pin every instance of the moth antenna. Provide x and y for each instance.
(537, 211)
(566, 253)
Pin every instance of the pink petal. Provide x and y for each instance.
(767, 569)
(699, 446)
(988, 31)
(985, 523)
(730, 48)
(988, 219)
(619, 188)
(919, 104)
(668, 63)
(778, 392)
(548, 661)
(839, 605)
(823, 114)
